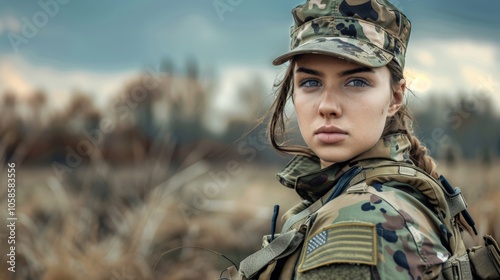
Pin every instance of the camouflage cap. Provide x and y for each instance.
(368, 32)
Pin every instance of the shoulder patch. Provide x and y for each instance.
(351, 242)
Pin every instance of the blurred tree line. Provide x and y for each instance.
(466, 127)
(163, 113)
(168, 113)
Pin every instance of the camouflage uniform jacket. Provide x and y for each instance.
(377, 231)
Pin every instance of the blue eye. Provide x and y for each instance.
(357, 83)
(310, 83)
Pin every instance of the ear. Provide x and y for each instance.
(397, 97)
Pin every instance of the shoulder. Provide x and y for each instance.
(393, 203)
(378, 225)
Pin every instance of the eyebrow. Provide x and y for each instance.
(308, 71)
(341, 74)
(355, 70)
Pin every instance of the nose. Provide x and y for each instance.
(329, 105)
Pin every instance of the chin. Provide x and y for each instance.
(333, 158)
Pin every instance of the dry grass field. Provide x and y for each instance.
(119, 221)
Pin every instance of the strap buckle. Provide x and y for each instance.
(457, 269)
(456, 202)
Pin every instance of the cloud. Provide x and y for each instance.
(198, 27)
(448, 63)
(12, 79)
(9, 23)
(227, 103)
(454, 66)
(472, 52)
(21, 77)
(426, 58)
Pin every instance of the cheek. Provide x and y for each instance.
(302, 114)
(305, 114)
(373, 114)
(380, 106)
(384, 110)
(303, 106)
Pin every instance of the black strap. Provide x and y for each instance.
(343, 182)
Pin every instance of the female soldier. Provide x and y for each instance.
(372, 207)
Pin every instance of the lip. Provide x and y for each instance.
(330, 134)
(329, 129)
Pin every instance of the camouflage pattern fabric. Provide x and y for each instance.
(368, 32)
(381, 230)
(305, 176)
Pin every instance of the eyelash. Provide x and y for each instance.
(363, 81)
(305, 81)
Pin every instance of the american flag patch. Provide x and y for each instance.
(352, 242)
(317, 241)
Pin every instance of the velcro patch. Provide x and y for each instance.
(352, 242)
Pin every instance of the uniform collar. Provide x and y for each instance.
(304, 174)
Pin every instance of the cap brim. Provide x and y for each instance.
(360, 52)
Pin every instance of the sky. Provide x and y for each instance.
(95, 46)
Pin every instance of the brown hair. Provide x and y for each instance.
(401, 122)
